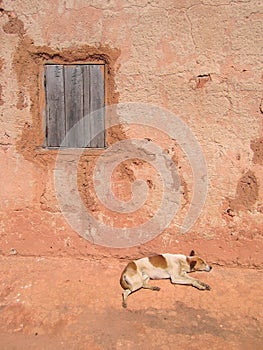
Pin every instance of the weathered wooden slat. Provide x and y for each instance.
(73, 76)
(97, 101)
(55, 106)
(86, 106)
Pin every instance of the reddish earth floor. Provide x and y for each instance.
(60, 303)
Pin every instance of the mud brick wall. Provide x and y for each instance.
(199, 60)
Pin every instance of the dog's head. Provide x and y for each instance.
(197, 264)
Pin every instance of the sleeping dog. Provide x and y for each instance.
(137, 273)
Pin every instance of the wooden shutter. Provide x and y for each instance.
(74, 92)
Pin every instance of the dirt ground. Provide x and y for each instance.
(66, 303)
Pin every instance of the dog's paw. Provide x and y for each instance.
(202, 286)
(206, 286)
(156, 288)
(124, 305)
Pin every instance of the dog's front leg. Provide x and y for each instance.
(148, 286)
(190, 281)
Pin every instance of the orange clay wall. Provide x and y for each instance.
(198, 61)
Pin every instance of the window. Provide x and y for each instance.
(74, 92)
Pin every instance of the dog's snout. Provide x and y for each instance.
(208, 268)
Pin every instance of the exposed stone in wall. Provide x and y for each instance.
(246, 193)
(1, 98)
(14, 25)
(257, 148)
(200, 81)
(21, 100)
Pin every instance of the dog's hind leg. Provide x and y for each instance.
(125, 295)
(132, 285)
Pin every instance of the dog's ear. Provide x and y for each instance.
(192, 264)
(192, 253)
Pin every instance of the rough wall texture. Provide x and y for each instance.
(201, 60)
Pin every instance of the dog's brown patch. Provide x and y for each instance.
(131, 266)
(158, 261)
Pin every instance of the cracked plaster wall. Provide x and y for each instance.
(202, 60)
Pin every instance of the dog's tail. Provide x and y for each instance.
(129, 270)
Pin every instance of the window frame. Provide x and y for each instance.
(94, 144)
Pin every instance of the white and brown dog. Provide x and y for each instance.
(137, 273)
